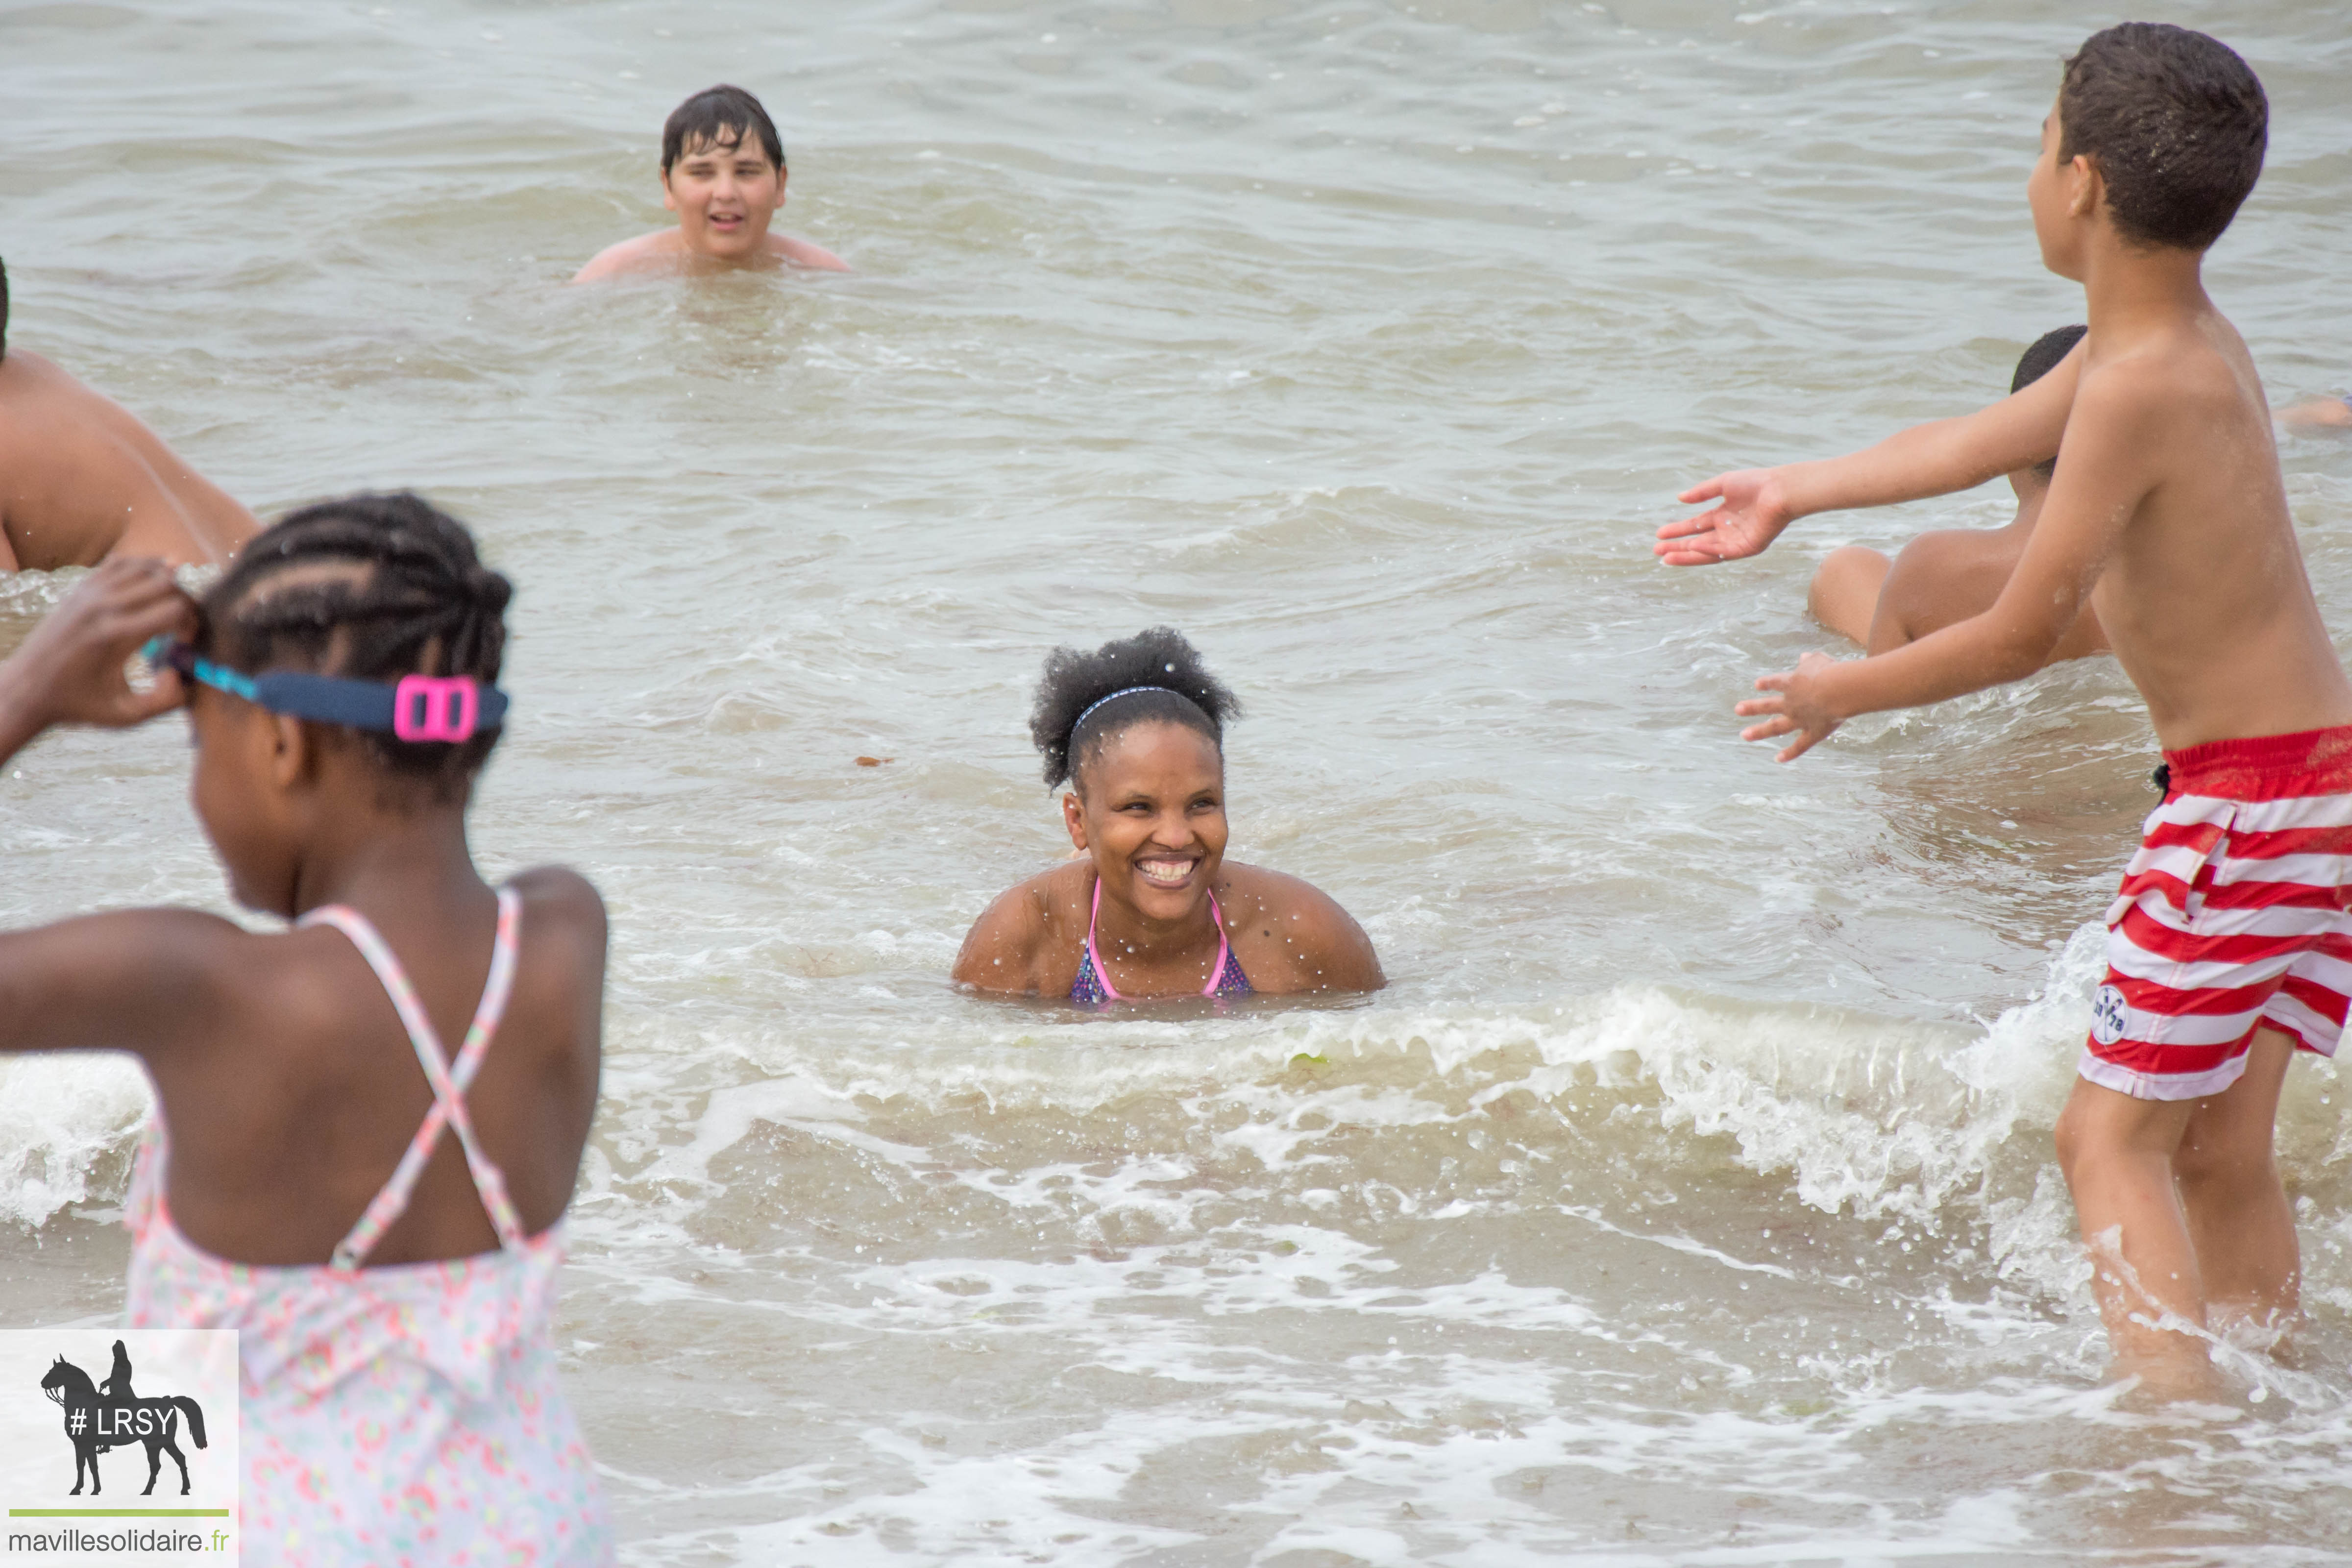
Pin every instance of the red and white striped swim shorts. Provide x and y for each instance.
(2235, 915)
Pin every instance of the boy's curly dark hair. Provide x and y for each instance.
(2178, 123)
(371, 587)
(1158, 677)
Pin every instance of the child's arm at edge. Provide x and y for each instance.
(95, 980)
(71, 670)
(2100, 486)
(1932, 460)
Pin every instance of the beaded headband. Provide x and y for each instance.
(1122, 691)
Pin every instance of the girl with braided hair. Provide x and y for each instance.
(393, 1286)
(1150, 907)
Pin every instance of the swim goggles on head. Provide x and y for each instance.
(415, 708)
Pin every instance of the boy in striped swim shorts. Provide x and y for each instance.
(2230, 944)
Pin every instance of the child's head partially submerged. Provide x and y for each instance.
(2039, 358)
(2159, 131)
(345, 672)
(722, 172)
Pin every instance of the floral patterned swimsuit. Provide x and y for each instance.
(408, 1415)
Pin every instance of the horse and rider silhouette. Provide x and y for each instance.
(117, 1417)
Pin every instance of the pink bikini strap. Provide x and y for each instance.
(449, 1080)
(1224, 948)
(1102, 975)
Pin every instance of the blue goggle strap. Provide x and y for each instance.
(359, 704)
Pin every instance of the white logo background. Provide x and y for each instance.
(36, 1458)
(2108, 1014)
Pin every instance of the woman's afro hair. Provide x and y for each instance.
(370, 587)
(1160, 668)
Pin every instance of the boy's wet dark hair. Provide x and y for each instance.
(1158, 678)
(2039, 360)
(2177, 122)
(370, 587)
(722, 116)
(4, 309)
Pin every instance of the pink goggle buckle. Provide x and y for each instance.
(434, 707)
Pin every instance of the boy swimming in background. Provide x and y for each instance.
(722, 172)
(1949, 574)
(2227, 944)
(82, 480)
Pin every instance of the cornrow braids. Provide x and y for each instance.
(370, 587)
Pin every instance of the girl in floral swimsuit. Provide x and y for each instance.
(379, 1218)
(1151, 908)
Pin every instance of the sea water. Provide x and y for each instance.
(1687, 1196)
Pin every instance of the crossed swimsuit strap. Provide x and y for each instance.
(449, 1080)
(1102, 975)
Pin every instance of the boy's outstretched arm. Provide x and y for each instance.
(2107, 472)
(1932, 460)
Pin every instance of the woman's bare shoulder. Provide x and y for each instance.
(1024, 939)
(1292, 936)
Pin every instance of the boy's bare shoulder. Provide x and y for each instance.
(801, 253)
(652, 252)
(2185, 377)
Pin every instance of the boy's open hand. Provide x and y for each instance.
(73, 668)
(1752, 512)
(1799, 707)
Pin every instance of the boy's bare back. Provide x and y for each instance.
(81, 479)
(2169, 491)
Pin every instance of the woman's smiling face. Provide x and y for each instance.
(1150, 806)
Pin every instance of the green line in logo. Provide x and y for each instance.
(118, 1513)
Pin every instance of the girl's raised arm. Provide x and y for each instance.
(75, 668)
(116, 980)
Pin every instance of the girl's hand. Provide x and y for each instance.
(1801, 708)
(73, 669)
(1754, 510)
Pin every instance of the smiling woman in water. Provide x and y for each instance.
(1152, 908)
